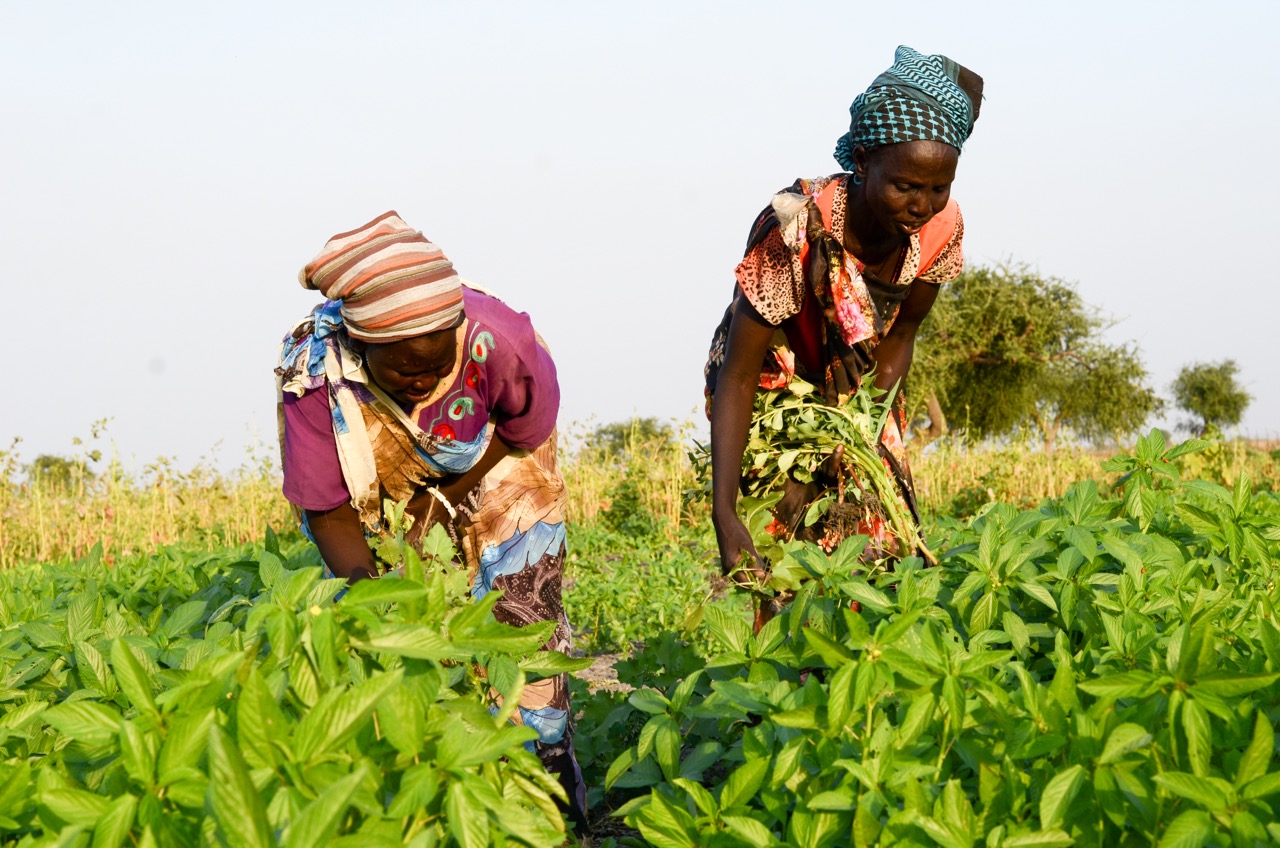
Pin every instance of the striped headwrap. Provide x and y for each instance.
(918, 99)
(392, 282)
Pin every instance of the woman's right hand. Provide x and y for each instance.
(739, 560)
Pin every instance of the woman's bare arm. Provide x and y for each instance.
(748, 341)
(893, 355)
(341, 541)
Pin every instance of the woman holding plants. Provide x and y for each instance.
(838, 273)
(408, 385)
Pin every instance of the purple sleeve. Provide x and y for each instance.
(312, 471)
(524, 395)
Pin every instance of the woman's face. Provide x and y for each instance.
(409, 370)
(906, 184)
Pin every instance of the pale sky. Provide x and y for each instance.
(169, 167)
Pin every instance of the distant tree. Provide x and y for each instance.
(57, 470)
(1098, 392)
(1005, 348)
(616, 440)
(1211, 393)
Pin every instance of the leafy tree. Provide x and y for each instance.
(1211, 393)
(58, 470)
(1006, 348)
(615, 441)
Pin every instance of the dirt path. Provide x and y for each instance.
(601, 674)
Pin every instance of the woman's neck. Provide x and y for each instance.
(864, 237)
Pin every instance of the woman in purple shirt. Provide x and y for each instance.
(407, 384)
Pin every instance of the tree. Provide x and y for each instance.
(1211, 393)
(58, 471)
(615, 441)
(1005, 348)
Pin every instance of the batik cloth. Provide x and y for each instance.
(829, 315)
(343, 440)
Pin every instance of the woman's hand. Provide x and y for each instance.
(429, 510)
(739, 560)
(341, 541)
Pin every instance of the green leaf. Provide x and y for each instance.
(1267, 784)
(1191, 829)
(701, 797)
(94, 670)
(750, 831)
(1199, 734)
(468, 819)
(464, 747)
(1039, 839)
(270, 568)
(237, 807)
(182, 619)
(85, 721)
(418, 786)
(339, 714)
(1257, 757)
(114, 825)
(185, 742)
(549, 663)
(413, 641)
(1232, 684)
(621, 764)
(317, 823)
(728, 629)
(664, 825)
(138, 752)
(801, 718)
(744, 782)
(834, 800)
(74, 806)
(495, 637)
(1192, 788)
(1129, 684)
(1124, 740)
(385, 590)
(841, 698)
(832, 653)
(1058, 795)
(1039, 592)
(649, 701)
(259, 720)
(132, 679)
(666, 745)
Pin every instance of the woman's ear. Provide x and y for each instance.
(860, 162)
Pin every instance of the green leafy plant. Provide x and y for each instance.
(796, 436)
(1094, 671)
(228, 699)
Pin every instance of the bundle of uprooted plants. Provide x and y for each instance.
(795, 435)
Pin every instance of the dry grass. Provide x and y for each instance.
(52, 517)
(56, 517)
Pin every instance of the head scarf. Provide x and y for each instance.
(392, 282)
(918, 99)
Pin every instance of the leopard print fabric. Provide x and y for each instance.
(771, 277)
(950, 261)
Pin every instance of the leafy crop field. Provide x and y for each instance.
(1101, 667)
